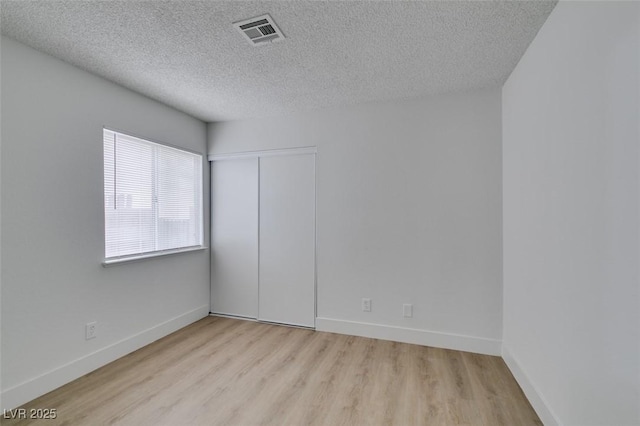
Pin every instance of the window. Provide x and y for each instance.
(152, 198)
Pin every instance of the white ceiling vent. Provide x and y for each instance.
(260, 30)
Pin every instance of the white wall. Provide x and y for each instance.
(571, 136)
(52, 227)
(409, 211)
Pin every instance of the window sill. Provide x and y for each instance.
(139, 257)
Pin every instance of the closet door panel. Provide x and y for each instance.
(287, 239)
(234, 237)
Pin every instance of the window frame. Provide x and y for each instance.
(110, 261)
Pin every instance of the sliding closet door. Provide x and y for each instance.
(234, 237)
(287, 239)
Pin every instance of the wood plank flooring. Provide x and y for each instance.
(221, 371)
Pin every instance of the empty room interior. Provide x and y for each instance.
(320, 212)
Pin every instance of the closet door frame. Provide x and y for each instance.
(311, 150)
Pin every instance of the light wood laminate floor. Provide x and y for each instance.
(221, 371)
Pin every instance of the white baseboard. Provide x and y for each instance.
(218, 314)
(38, 386)
(537, 400)
(411, 335)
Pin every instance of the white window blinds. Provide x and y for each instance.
(152, 197)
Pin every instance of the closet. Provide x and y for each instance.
(263, 236)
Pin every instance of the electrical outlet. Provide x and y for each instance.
(91, 330)
(366, 305)
(407, 310)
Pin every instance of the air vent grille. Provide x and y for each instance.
(260, 30)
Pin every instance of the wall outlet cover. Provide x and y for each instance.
(407, 310)
(366, 305)
(91, 330)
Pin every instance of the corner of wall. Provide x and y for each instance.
(537, 400)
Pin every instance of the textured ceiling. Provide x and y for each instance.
(188, 55)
